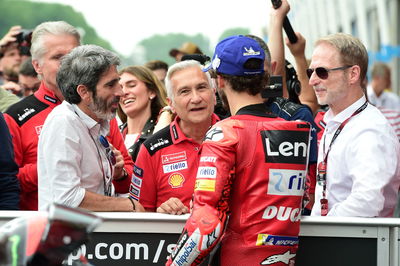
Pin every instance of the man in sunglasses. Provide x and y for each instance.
(359, 153)
(82, 172)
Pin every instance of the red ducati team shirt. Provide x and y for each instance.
(166, 167)
(25, 120)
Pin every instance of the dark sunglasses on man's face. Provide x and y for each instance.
(322, 72)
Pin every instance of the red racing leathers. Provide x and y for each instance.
(25, 120)
(252, 169)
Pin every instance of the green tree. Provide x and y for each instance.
(233, 31)
(157, 47)
(29, 14)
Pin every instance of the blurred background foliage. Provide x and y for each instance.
(28, 14)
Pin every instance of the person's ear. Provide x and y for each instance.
(220, 82)
(84, 92)
(37, 67)
(152, 95)
(354, 74)
(171, 104)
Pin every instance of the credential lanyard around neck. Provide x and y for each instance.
(106, 180)
(322, 166)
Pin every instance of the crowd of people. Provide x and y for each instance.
(218, 141)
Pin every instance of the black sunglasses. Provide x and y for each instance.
(322, 72)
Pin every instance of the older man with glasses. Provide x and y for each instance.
(358, 159)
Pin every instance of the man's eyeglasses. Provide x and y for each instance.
(323, 72)
(109, 152)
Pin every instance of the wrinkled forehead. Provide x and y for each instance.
(325, 55)
(189, 77)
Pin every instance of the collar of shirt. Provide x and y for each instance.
(94, 127)
(177, 134)
(346, 113)
(148, 128)
(47, 96)
(257, 110)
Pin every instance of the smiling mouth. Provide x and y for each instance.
(129, 101)
(319, 90)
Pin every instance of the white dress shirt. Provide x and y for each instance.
(71, 158)
(363, 168)
(387, 100)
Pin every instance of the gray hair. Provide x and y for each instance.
(181, 66)
(352, 51)
(50, 28)
(84, 65)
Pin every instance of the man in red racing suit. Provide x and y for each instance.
(251, 175)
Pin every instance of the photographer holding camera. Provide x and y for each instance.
(14, 49)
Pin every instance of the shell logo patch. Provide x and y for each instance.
(176, 180)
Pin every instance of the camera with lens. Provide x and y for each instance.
(275, 87)
(24, 41)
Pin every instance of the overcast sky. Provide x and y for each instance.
(124, 23)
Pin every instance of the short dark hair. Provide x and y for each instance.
(156, 64)
(252, 84)
(84, 65)
(27, 69)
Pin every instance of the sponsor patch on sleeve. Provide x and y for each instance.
(207, 172)
(205, 185)
(136, 180)
(266, 239)
(134, 192)
(138, 171)
(208, 159)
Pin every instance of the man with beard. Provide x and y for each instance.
(10, 56)
(75, 160)
(50, 42)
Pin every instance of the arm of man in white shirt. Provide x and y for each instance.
(96, 202)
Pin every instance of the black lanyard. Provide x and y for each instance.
(322, 166)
